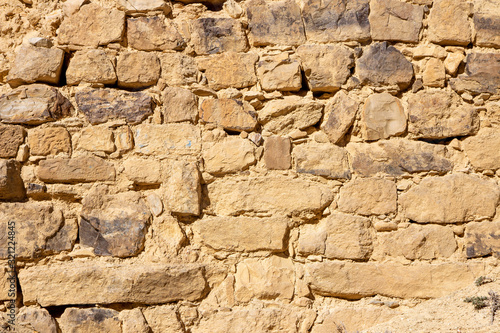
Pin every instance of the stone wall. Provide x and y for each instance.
(245, 166)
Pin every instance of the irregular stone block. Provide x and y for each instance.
(322, 159)
(36, 64)
(336, 21)
(487, 23)
(279, 73)
(482, 239)
(229, 113)
(452, 62)
(242, 234)
(90, 320)
(92, 26)
(482, 149)
(368, 196)
(133, 321)
(163, 318)
(11, 183)
(137, 69)
(276, 22)
(97, 138)
(83, 169)
(230, 70)
(326, 67)
(338, 236)
(450, 199)
(397, 157)
(434, 74)
(482, 74)
(448, 22)
(162, 140)
(11, 137)
(92, 66)
(232, 154)
(383, 117)
(101, 105)
(33, 105)
(49, 141)
(168, 236)
(178, 69)
(37, 319)
(153, 33)
(277, 153)
(108, 283)
(179, 105)
(217, 35)
(142, 171)
(144, 6)
(339, 116)
(183, 188)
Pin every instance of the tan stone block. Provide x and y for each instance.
(434, 74)
(123, 139)
(168, 236)
(368, 196)
(133, 321)
(279, 73)
(448, 23)
(11, 137)
(179, 105)
(228, 113)
(81, 169)
(277, 153)
(183, 188)
(90, 320)
(11, 183)
(475, 78)
(49, 141)
(482, 239)
(142, 171)
(92, 66)
(339, 116)
(230, 70)
(144, 6)
(137, 69)
(383, 116)
(482, 149)
(163, 318)
(486, 23)
(322, 159)
(168, 139)
(232, 154)
(217, 35)
(178, 69)
(452, 62)
(153, 33)
(37, 319)
(97, 138)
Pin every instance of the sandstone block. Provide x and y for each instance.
(336, 21)
(33, 105)
(452, 62)
(482, 239)
(229, 113)
(368, 196)
(90, 320)
(322, 159)
(277, 153)
(482, 149)
(49, 141)
(92, 66)
(101, 105)
(11, 184)
(450, 199)
(179, 105)
(339, 116)
(92, 26)
(242, 234)
(153, 33)
(163, 318)
(276, 22)
(448, 23)
(383, 117)
(168, 236)
(162, 140)
(178, 69)
(486, 23)
(144, 6)
(217, 35)
(97, 138)
(81, 169)
(232, 154)
(137, 69)
(35, 64)
(326, 67)
(434, 74)
(133, 321)
(279, 73)
(37, 319)
(123, 139)
(183, 188)
(142, 171)
(11, 137)
(230, 70)
(481, 74)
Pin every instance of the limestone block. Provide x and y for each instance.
(368, 196)
(83, 169)
(211, 35)
(482, 74)
(137, 69)
(142, 171)
(231, 114)
(163, 318)
(92, 66)
(279, 73)
(232, 154)
(183, 188)
(178, 69)
(482, 149)
(49, 141)
(38, 319)
(144, 6)
(452, 62)
(383, 116)
(133, 321)
(97, 138)
(90, 320)
(322, 159)
(168, 139)
(482, 239)
(448, 23)
(230, 70)
(11, 137)
(179, 105)
(277, 153)
(11, 184)
(339, 116)
(153, 33)
(434, 74)
(486, 23)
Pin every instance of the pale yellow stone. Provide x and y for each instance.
(448, 23)
(452, 62)
(232, 154)
(368, 196)
(483, 149)
(182, 188)
(92, 66)
(383, 117)
(434, 74)
(97, 138)
(142, 171)
(168, 139)
(163, 318)
(49, 141)
(322, 159)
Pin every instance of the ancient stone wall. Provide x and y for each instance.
(253, 166)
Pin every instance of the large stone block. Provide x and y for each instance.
(230, 70)
(279, 73)
(179, 105)
(11, 137)
(97, 139)
(368, 196)
(11, 183)
(231, 114)
(137, 69)
(482, 74)
(142, 171)
(482, 239)
(90, 320)
(163, 318)
(49, 141)
(232, 154)
(37, 319)
(339, 116)
(482, 149)
(178, 69)
(183, 188)
(322, 159)
(277, 153)
(217, 35)
(168, 139)
(383, 116)
(487, 23)
(153, 33)
(83, 169)
(448, 22)
(92, 66)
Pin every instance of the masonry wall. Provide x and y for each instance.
(245, 166)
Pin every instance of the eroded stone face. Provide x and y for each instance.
(368, 196)
(49, 141)
(140, 6)
(11, 137)
(233, 154)
(217, 35)
(38, 319)
(82, 169)
(448, 23)
(137, 69)
(230, 70)
(89, 320)
(339, 116)
(482, 239)
(481, 74)
(383, 117)
(486, 23)
(482, 149)
(178, 69)
(168, 139)
(231, 114)
(322, 159)
(183, 188)
(277, 152)
(279, 73)
(153, 33)
(92, 66)
(11, 184)
(179, 105)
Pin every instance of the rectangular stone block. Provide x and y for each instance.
(322, 159)
(81, 169)
(183, 188)
(481, 75)
(11, 137)
(11, 183)
(482, 239)
(168, 139)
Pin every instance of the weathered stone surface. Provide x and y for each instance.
(144, 6)
(482, 239)
(340, 113)
(435, 114)
(92, 26)
(368, 196)
(230, 70)
(338, 236)
(101, 105)
(383, 117)
(49, 141)
(231, 114)
(322, 159)
(395, 20)
(276, 22)
(282, 116)
(279, 73)
(11, 184)
(133, 321)
(336, 21)
(326, 67)
(452, 62)
(153, 33)
(349, 280)
(487, 23)
(163, 318)
(434, 74)
(178, 69)
(216, 35)
(161, 140)
(123, 139)
(92, 66)
(232, 154)
(90, 320)
(450, 199)
(33, 105)
(36, 64)
(97, 138)
(383, 64)
(398, 156)
(37, 319)
(482, 74)
(354, 319)
(137, 69)
(448, 23)
(277, 153)
(168, 236)
(179, 105)
(11, 137)
(280, 195)
(142, 171)
(81, 169)
(245, 234)
(183, 188)
(107, 283)
(482, 149)
(270, 278)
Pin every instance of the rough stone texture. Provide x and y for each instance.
(163, 318)
(101, 105)
(231, 114)
(36, 64)
(49, 141)
(359, 318)
(349, 280)
(486, 23)
(36, 319)
(336, 21)
(179, 105)
(183, 188)
(395, 20)
(338, 236)
(243, 234)
(33, 105)
(133, 321)
(92, 66)
(153, 33)
(232, 154)
(452, 62)
(450, 199)
(368, 196)
(142, 171)
(217, 35)
(11, 184)
(141, 6)
(230, 70)
(11, 137)
(92, 26)
(107, 283)
(322, 159)
(161, 140)
(83, 169)
(339, 116)
(448, 23)
(481, 239)
(482, 149)
(277, 195)
(326, 67)
(439, 114)
(434, 74)
(97, 138)
(382, 64)
(90, 320)
(383, 117)
(276, 22)
(178, 69)
(279, 73)
(137, 69)
(277, 153)
(481, 74)
(397, 157)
